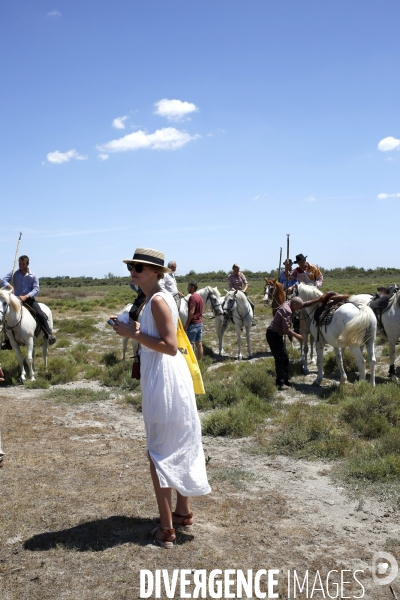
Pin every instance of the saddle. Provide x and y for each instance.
(329, 303)
(33, 312)
(381, 305)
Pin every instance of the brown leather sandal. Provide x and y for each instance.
(163, 540)
(181, 524)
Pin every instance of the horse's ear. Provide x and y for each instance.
(226, 291)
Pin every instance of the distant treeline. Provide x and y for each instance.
(383, 273)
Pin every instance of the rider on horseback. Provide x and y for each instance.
(307, 273)
(25, 285)
(236, 280)
(290, 281)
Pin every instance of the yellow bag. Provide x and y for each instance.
(186, 348)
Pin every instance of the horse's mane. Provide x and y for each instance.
(11, 299)
(308, 292)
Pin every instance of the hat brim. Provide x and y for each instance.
(296, 262)
(147, 262)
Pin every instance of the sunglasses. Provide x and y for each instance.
(138, 267)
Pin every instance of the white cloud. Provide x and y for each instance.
(119, 122)
(58, 157)
(103, 157)
(388, 144)
(310, 199)
(384, 196)
(54, 13)
(167, 138)
(256, 197)
(174, 110)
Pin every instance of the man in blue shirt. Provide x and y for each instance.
(26, 287)
(287, 285)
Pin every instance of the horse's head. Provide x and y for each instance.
(228, 305)
(213, 297)
(268, 290)
(5, 299)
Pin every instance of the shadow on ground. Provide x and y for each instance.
(99, 535)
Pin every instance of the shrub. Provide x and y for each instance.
(39, 383)
(311, 432)
(63, 343)
(109, 359)
(257, 379)
(60, 369)
(239, 420)
(79, 327)
(77, 395)
(119, 375)
(80, 353)
(371, 411)
(330, 365)
(93, 372)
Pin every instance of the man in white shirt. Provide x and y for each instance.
(168, 283)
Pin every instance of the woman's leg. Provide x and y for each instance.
(182, 505)
(163, 496)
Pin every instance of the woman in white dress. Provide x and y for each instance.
(169, 407)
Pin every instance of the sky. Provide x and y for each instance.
(207, 130)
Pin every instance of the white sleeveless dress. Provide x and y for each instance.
(170, 414)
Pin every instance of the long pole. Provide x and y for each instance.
(280, 262)
(15, 259)
(287, 263)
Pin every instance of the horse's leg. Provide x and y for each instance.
(371, 360)
(360, 360)
(218, 329)
(392, 356)
(45, 351)
(29, 357)
(248, 328)
(312, 359)
(20, 359)
(239, 341)
(339, 362)
(304, 344)
(124, 347)
(320, 362)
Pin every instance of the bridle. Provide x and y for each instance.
(228, 312)
(214, 305)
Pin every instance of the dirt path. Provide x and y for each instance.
(77, 503)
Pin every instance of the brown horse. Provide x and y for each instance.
(273, 291)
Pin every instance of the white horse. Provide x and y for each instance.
(351, 326)
(237, 308)
(211, 297)
(391, 324)
(20, 328)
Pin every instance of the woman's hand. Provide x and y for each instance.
(129, 330)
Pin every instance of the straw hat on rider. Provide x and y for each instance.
(148, 256)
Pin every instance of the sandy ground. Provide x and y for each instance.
(77, 503)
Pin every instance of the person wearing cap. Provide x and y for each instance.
(238, 281)
(306, 272)
(287, 283)
(281, 325)
(169, 409)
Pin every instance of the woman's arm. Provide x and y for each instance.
(166, 343)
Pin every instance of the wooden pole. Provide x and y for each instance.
(287, 263)
(15, 260)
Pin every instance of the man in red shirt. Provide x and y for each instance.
(194, 323)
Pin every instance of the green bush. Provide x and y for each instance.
(370, 411)
(239, 420)
(77, 395)
(93, 372)
(79, 327)
(39, 383)
(311, 432)
(256, 378)
(109, 359)
(80, 353)
(60, 369)
(119, 375)
(330, 365)
(63, 343)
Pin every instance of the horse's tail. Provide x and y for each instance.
(360, 329)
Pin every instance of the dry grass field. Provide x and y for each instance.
(76, 493)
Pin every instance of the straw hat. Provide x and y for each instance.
(149, 256)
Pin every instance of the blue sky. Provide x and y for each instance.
(285, 120)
